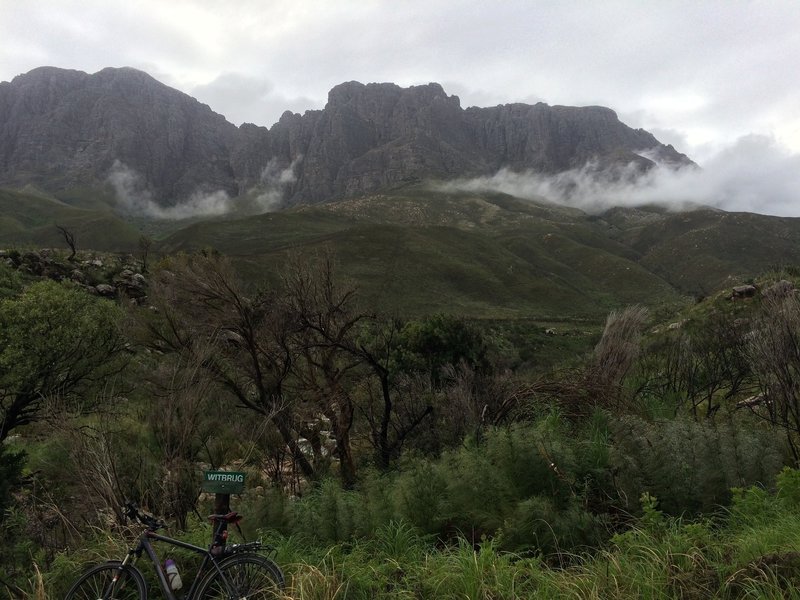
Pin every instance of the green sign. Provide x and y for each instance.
(223, 482)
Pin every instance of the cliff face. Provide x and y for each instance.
(61, 129)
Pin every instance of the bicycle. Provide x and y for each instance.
(229, 572)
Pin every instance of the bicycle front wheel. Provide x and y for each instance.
(109, 581)
(244, 576)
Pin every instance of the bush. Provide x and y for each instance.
(525, 485)
(11, 464)
(690, 466)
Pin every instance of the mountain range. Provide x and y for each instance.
(64, 130)
(103, 154)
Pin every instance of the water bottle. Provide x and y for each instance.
(173, 577)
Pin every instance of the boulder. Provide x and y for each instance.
(743, 291)
(106, 290)
(133, 285)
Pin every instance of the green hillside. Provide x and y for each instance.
(703, 250)
(419, 252)
(29, 219)
(413, 250)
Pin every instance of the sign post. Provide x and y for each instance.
(222, 484)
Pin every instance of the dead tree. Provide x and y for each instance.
(325, 364)
(201, 298)
(145, 244)
(182, 419)
(69, 238)
(392, 417)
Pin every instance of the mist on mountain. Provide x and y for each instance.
(756, 174)
(167, 156)
(134, 198)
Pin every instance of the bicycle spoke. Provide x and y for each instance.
(107, 582)
(250, 578)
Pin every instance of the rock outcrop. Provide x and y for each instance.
(63, 129)
(121, 278)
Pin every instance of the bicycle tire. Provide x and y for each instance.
(99, 583)
(254, 577)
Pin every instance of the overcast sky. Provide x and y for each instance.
(706, 76)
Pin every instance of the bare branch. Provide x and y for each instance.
(69, 238)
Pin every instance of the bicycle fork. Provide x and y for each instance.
(112, 590)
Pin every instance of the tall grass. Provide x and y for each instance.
(750, 552)
(753, 551)
(526, 513)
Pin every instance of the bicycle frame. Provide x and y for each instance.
(146, 546)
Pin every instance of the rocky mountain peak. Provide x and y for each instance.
(378, 100)
(44, 75)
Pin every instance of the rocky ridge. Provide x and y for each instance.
(63, 129)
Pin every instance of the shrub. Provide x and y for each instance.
(11, 464)
(690, 466)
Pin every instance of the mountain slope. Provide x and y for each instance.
(702, 250)
(30, 220)
(418, 251)
(62, 130)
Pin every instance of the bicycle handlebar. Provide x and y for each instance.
(133, 513)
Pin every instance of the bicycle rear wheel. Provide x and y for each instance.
(109, 581)
(243, 576)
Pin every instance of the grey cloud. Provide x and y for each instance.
(89, 37)
(246, 99)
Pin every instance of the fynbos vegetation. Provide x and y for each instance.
(394, 457)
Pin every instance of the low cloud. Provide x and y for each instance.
(756, 174)
(273, 183)
(199, 204)
(134, 197)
